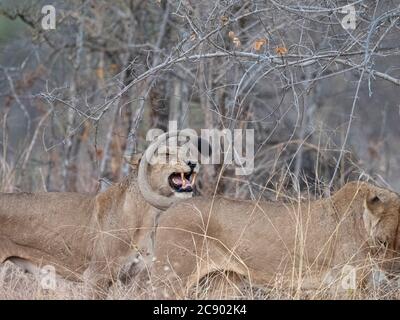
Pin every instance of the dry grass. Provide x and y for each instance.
(17, 285)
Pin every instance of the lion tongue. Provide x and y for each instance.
(188, 184)
(179, 182)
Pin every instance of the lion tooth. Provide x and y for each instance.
(194, 178)
(183, 179)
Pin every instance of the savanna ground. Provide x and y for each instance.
(15, 284)
(322, 98)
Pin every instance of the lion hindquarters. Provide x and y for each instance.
(184, 257)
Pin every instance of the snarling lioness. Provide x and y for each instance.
(299, 243)
(95, 237)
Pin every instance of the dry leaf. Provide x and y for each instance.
(259, 43)
(100, 73)
(281, 50)
(224, 20)
(86, 132)
(99, 153)
(231, 34)
(192, 36)
(114, 68)
(236, 42)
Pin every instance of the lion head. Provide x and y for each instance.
(173, 172)
(381, 220)
(167, 170)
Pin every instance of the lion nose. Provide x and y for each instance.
(192, 165)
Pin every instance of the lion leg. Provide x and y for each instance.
(97, 281)
(25, 265)
(177, 277)
(183, 259)
(222, 285)
(171, 269)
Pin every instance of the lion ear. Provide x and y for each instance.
(134, 160)
(374, 202)
(204, 147)
(374, 199)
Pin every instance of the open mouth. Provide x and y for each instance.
(182, 182)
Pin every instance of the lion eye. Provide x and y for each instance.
(382, 242)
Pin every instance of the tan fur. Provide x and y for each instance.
(298, 242)
(85, 237)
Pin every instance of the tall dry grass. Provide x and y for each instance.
(282, 185)
(16, 284)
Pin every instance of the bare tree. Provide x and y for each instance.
(293, 71)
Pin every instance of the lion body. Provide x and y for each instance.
(91, 237)
(299, 242)
(76, 233)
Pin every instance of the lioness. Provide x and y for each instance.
(94, 236)
(298, 242)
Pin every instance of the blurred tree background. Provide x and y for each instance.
(323, 100)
